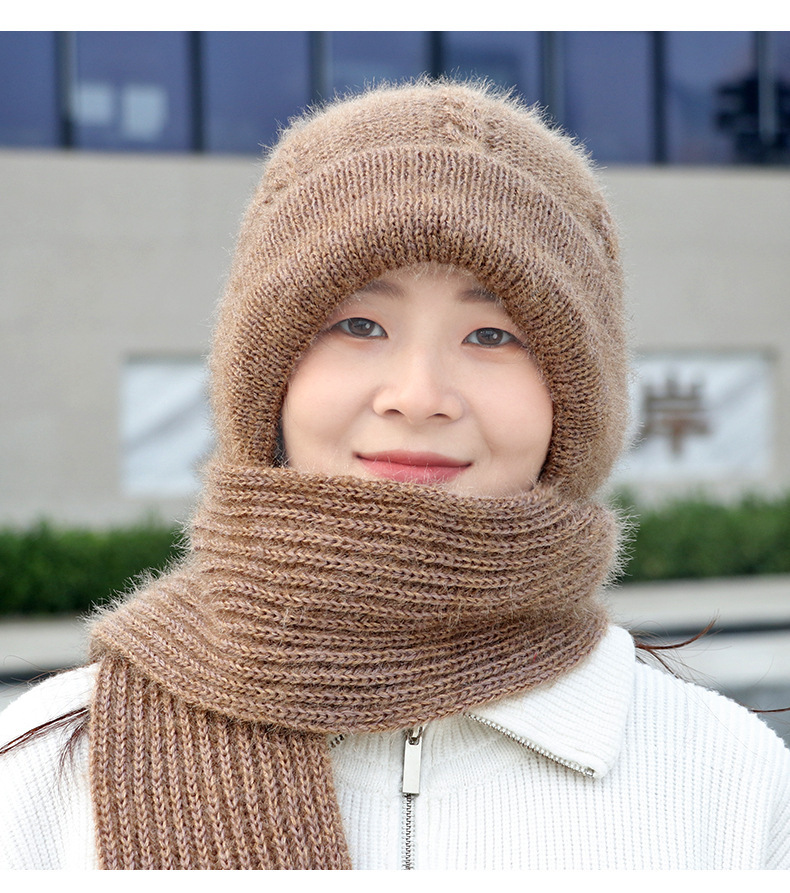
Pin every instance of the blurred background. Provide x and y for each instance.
(126, 159)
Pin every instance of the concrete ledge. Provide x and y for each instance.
(749, 646)
(35, 645)
(686, 606)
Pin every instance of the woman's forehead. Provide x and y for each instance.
(395, 283)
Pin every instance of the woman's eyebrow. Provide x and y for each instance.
(379, 287)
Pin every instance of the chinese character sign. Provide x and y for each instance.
(699, 415)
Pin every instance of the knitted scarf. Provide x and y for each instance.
(311, 606)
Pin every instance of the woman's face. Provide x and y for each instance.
(421, 376)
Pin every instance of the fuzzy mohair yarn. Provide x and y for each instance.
(449, 173)
(312, 605)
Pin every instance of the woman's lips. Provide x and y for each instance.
(415, 468)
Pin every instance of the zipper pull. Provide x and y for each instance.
(412, 758)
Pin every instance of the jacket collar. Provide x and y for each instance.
(579, 720)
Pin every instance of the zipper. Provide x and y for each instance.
(412, 761)
(525, 742)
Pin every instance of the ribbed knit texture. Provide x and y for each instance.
(334, 605)
(310, 605)
(178, 788)
(317, 605)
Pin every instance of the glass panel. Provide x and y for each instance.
(508, 58)
(780, 50)
(359, 57)
(705, 72)
(165, 429)
(28, 99)
(253, 82)
(779, 43)
(130, 90)
(608, 101)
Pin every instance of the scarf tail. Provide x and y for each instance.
(175, 787)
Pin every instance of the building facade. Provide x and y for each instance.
(126, 160)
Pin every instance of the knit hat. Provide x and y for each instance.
(452, 173)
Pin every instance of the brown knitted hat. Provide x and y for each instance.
(451, 173)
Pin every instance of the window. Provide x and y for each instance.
(357, 58)
(253, 82)
(633, 97)
(508, 58)
(129, 89)
(609, 93)
(165, 432)
(701, 67)
(28, 99)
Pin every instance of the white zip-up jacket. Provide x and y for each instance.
(614, 766)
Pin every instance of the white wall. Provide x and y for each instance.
(707, 253)
(104, 258)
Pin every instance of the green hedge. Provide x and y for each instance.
(50, 570)
(696, 538)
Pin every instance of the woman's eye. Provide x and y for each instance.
(490, 337)
(359, 327)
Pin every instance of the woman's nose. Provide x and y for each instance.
(418, 385)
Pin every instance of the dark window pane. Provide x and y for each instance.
(508, 58)
(780, 52)
(130, 90)
(253, 82)
(361, 57)
(28, 96)
(709, 97)
(608, 100)
(779, 71)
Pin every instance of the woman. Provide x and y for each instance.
(386, 647)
